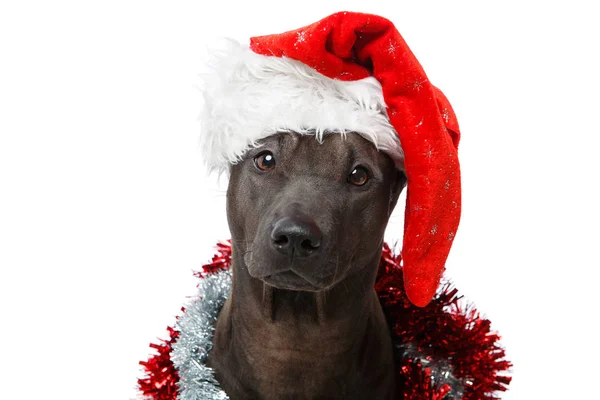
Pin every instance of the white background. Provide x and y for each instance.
(105, 208)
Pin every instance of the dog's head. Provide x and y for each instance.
(308, 214)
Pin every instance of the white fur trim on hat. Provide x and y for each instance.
(248, 97)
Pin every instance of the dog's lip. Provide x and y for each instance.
(289, 280)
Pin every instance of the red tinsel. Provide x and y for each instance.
(221, 260)
(160, 382)
(442, 333)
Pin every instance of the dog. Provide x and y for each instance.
(303, 321)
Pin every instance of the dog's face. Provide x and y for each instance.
(309, 214)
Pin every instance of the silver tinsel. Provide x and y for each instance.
(442, 372)
(196, 327)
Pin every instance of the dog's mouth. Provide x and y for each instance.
(289, 280)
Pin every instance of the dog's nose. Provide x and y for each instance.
(298, 235)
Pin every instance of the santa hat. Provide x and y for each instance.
(349, 72)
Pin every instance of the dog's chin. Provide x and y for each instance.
(289, 280)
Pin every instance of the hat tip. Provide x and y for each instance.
(420, 298)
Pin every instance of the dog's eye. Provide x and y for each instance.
(359, 176)
(265, 161)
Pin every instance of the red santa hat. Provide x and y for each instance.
(349, 72)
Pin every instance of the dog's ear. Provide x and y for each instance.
(398, 183)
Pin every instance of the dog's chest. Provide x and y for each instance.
(309, 370)
(302, 374)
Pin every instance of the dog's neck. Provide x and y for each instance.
(262, 331)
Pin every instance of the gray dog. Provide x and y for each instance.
(303, 320)
(319, 128)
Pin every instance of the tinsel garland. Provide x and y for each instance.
(444, 351)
